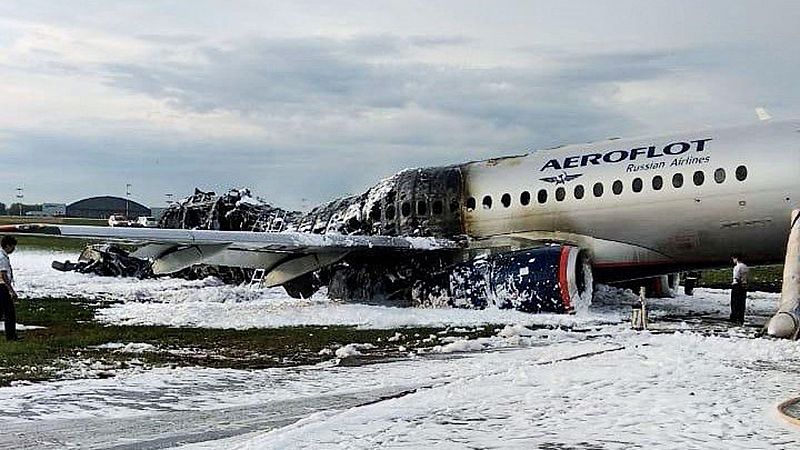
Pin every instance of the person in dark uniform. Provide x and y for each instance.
(7, 293)
(739, 289)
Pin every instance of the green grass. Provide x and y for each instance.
(71, 331)
(50, 243)
(762, 278)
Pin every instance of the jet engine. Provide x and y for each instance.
(546, 279)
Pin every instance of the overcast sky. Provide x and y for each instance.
(316, 99)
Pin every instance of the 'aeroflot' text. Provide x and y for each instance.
(615, 156)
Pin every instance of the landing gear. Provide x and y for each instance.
(786, 323)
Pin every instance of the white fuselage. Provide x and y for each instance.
(699, 223)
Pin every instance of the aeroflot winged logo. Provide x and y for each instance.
(562, 178)
(649, 153)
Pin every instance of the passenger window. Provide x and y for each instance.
(677, 180)
(375, 212)
(405, 209)
(598, 189)
(741, 173)
(422, 208)
(390, 212)
(525, 198)
(578, 192)
(658, 183)
(616, 188)
(487, 202)
(506, 200)
(541, 197)
(637, 185)
(699, 178)
(471, 204)
(561, 194)
(437, 207)
(719, 176)
(454, 206)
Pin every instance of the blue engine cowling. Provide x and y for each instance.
(546, 279)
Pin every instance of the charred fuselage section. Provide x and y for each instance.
(235, 210)
(417, 202)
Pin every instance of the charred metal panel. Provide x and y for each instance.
(236, 210)
(427, 202)
(415, 202)
(387, 278)
(113, 261)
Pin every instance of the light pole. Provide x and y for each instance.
(169, 197)
(20, 199)
(127, 201)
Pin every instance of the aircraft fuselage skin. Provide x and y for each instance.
(648, 206)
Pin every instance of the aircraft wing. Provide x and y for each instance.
(284, 256)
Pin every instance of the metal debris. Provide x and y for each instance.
(106, 260)
(236, 210)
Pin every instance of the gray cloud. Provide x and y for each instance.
(318, 77)
(323, 114)
(449, 113)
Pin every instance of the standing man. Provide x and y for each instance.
(738, 289)
(7, 293)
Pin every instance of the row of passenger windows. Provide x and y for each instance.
(437, 208)
(637, 185)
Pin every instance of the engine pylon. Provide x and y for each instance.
(786, 322)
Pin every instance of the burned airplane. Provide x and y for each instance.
(529, 232)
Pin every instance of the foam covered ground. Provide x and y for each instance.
(692, 382)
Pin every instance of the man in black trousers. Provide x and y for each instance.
(7, 293)
(738, 289)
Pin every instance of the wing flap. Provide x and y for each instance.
(297, 267)
(180, 258)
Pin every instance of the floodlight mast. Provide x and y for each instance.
(127, 200)
(20, 200)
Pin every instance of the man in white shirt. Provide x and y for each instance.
(739, 289)
(7, 293)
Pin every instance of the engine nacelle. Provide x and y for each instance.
(546, 279)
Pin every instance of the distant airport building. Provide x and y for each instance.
(54, 209)
(103, 207)
(49, 210)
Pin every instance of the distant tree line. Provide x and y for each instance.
(18, 209)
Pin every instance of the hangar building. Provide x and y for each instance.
(103, 207)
